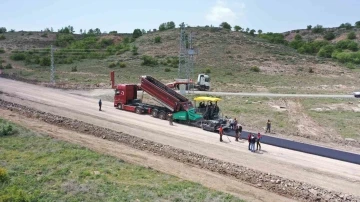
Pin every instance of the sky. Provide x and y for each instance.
(125, 16)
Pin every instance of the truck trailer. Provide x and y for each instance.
(126, 98)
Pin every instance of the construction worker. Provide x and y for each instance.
(249, 139)
(221, 133)
(252, 143)
(268, 126)
(170, 117)
(258, 146)
(100, 103)
(236, 133)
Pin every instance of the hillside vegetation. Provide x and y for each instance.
(237, 60)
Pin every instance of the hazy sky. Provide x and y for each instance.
(125, 16)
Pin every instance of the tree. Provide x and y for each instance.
(170, 25)
(91, 32)
(137, 33)
(329, 36)
(80, 31)
(259, 31)
(143, 31)
(357, 24)
(309, 27)
(225, 25)
(162, 27)
(347, 26)
(51, 29)
(247, 30)
(351, 35)
(318, 29)
(97, 31)
(237, 28)
(2, 30)
(298, 37)
(252, 32)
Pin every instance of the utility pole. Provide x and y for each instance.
(52, 74)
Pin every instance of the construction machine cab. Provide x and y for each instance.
(208, 107)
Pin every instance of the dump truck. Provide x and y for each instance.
(126, 98)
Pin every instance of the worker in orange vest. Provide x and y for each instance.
(221, 133)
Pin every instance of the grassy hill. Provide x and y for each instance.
(235, 60)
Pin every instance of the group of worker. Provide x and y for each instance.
(252, 138)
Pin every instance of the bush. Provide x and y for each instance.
(167, 69)
(74, 69)
(309, 27)
(347, 57)
(44, 35)
(329, 36)
(7, 129)
(347, 44)
(112, 65)
(18, 56)
(2, 37)
(350, 65)
(311, 70)
(149, 61)
(134, 50)
(157, 39)
(274, 38)
(14, 194)
(298, 37)
(3, 175)
(225, 25)
(122, 65)
(45, 61)
(63, 40)
(8, 66)
(351, 35)
(2, 30)
(326, 51)
(137, 33)
(255, 69)
(357, 24)
(207, 71)
(318, 29)
(2, 50)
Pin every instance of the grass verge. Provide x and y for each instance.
(39, 168)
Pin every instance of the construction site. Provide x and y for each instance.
(173, 126)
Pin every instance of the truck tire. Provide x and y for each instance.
(154, 113)
(162, 115)
(137, 110)
(119, 106)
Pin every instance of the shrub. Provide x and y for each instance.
(8, 66)
(2, 30)
(137, 33)
(207, 71)
(318, 29)
(106, 42)
(351, 35)
(326, 51)
(157, 39)
(167, 69)
(225, 25)
(2, 50)
(2, 37)
(45, 61)
(255, 69)
(74, 69)
(18, 56)
(274, 38)
(7, 129)
(122, 65)
(350, 65)
(44, 35)
(134, 50)
(347, 44)
(357, 24)
(298, 37)
(309, 27)
(3, 175)
(347, 57)
(14, 194)
(149, 61)
(112, 65)
(311, 70)
(329, 36)
(63, 40)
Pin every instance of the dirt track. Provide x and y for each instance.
(326, 173)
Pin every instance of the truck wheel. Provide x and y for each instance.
(138, 110)
(154, 113)
(119, 106)
(162, 115)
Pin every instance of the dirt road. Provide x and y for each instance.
(327, 173)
